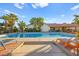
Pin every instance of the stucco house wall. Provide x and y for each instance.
(30, 26)
(77, 28)
(45, 28)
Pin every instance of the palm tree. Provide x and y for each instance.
(22, 26)
(9, 20)
(76, 20)
(37, 22)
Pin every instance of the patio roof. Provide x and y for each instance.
(62, 25)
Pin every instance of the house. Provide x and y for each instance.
(64, 26)
(30, 26)
(45, 28)
(57, 27)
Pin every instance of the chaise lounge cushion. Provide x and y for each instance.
(9, 44)
(10, 48)
(8, 41)
(1, 46)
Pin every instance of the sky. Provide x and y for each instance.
(51, 12)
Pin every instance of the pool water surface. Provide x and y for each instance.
(40, 35)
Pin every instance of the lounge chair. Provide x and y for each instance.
(8, 45)
(71, 44)
(60, 41)
(64, 41)
(1, 46)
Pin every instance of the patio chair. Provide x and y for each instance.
(60, 41)
(9, 45)
(71, 44)
(1, 46)
(64, 41)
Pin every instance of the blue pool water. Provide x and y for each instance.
(40, 35)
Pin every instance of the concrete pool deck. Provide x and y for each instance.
(37, 47)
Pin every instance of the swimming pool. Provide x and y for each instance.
(40, 35)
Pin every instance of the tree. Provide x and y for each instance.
(2, 28)
(15, 29)
(37, 22)
(76, 20)
(9, 20)
(22, 26)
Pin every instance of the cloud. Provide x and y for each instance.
(41, 5)
(50, 20)
(23, 16)
(62, 15)
(3, 12)
(58, 20)
(19, 5)
(7, 11)
(76, 7)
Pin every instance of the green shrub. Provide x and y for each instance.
(33, 30)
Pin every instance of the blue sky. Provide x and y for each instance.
(52, 12)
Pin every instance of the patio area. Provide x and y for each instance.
(39, 49)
